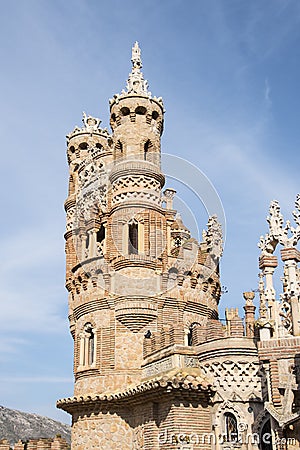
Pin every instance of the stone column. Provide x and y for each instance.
(92, 243)
(82, 238)
(268, 263)
(169, 195)
(249, 309)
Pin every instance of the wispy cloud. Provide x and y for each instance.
(267, 94)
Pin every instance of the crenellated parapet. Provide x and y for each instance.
(57, 443)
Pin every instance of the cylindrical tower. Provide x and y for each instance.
(138, 283)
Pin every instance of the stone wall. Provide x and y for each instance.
(57, 443)
(158, 424)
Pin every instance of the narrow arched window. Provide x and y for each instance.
(133, 238)
(100, 236)
(231, 428)
(119, 146)
(87, 240)
(88, 345)
(146, 149)
(91, 347)
(266, 436)
(190, 336)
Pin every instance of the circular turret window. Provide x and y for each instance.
(141, 110)
(125, 111)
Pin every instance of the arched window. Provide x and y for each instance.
(125, 111)
(133, 244)
(231, 428)
(266, 436)
(141, 110)
(87, 346)
(119, 147)
(101, 234)
(91, 347)
(190, 336)
(100, 237)
(146, 148)
(87, 240)
(83, 146)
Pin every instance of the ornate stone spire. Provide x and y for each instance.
(286, 235)
(213, 237)
(136, 56)
(284, 314)
(136, 83)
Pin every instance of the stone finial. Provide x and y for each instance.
(136, 83)
(249, 309)
(168, 197)
(213, 237)
(296, 212)
(263, 308)
(91, 123)
(249, 296)
(286, 235)
(136, 56)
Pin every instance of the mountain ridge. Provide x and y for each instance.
(15, 425)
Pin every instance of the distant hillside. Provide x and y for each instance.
(15, 425)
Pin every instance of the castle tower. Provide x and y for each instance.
(149, 349)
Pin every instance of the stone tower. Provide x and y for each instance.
(138, 284)
(154, 366)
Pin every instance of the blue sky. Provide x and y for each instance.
(228, 72)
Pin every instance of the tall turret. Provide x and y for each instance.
(138, 283)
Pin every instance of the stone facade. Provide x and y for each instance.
(154, 366)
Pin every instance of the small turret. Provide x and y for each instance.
(136, 117)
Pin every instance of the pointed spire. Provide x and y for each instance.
(136, 56)
(136, 83)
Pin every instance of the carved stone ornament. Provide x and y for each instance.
(286, 235)
(285, 312)
(213, 237)
(91, 123)
(136, 83)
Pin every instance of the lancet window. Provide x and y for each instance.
(231, 428)
(133, 238)
(87, 346)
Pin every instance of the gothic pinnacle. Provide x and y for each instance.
(136, 56)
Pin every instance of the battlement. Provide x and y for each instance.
(57, 443)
